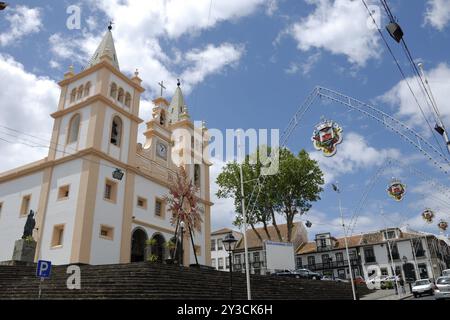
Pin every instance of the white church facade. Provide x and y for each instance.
(83, 213)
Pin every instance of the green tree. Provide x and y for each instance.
(289, 192)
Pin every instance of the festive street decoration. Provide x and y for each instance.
(428, 215)
(443, 225)
(327, 135)
(396, 190)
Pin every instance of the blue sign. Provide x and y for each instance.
(43, 269)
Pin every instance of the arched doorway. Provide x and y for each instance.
(138, 245)
(158, 247)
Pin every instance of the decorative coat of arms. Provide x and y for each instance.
(443, 225)
(327, 135)
(308, 224)
(396, 190)
(428, 215)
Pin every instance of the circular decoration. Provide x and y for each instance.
(327, 135)
(428, 215)
(443, 225)
(396, 190)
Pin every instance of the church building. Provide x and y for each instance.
(85, 211)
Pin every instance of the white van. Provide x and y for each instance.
(446, 273)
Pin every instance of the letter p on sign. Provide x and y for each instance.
(43, 269)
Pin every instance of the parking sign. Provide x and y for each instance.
(43, 269)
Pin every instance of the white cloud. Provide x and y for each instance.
(340, 27)
(31, 97)
(22, 21)
(401, 98)
(140, 28)
(222, 212)
(305, 67)
(438, 13)
(352, 154)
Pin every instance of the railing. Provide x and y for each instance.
(331, 264)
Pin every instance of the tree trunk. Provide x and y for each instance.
(266, 230)
(274, 223)
(289, 222)
(256, 232)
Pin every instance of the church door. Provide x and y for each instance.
(138, 245)
(158, 247)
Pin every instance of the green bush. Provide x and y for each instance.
(389, 285)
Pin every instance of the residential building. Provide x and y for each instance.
(219, 255)
(410, 253)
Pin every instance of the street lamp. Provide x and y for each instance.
(118, 174)
(182, 236)
(230, 243)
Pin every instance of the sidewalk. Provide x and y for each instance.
(386, 295)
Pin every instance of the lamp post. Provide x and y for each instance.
(182, 248)
(118, 174)
(230, 243)
(3, 5)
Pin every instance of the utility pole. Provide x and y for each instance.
(244, 214)
(336, 188)
(392, 260)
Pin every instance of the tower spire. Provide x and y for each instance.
(106, 49)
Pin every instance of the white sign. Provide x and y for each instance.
(279, 255)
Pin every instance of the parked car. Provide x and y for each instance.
(377, 282)
(423, 286)
(328, 278)
(359, 280)
(446, 273)
(442, 290)
(307, 274)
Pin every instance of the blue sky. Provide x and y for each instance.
(250, 64)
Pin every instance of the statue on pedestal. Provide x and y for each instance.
(29, 226)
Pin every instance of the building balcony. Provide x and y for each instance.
(332, 265)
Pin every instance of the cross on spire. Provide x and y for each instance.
(161, 84)
(110, 25)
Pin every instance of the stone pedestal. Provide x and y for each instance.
(24, 251)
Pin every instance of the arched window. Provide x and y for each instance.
(197, 175)
(120, 96)
(128, 100)
(74, 129)
(80, 92)
(87, 89)
(116, 131)
(113, 92)
(73, 95)
(162, 118)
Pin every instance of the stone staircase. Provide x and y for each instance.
(161, 281)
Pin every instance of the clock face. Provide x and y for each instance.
(161, 150)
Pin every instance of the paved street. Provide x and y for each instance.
(421, 298)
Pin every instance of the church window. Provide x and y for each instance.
(121, 95)
(128, 100)
(25, 207)
(87, 89)
(63, 192)
(80, 92)
(58, 236)
(113, 91)
(162, 118)
(159, 208)
(110, 192)
(106, 232)
(197, 175)
(142, 203)
(73, 95)
(116, 131)
(74, 128)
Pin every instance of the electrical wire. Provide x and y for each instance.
(403, 75)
